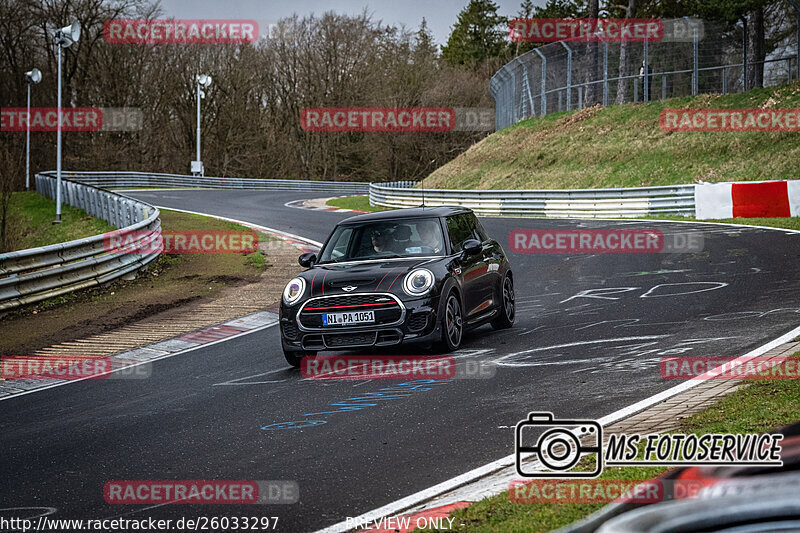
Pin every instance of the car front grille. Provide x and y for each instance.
(386, 307)
(350, 339)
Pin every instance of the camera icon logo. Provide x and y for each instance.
(559, 447)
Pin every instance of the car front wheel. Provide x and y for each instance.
(296, 358)
(452, 324)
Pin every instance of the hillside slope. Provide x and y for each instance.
(623, 146)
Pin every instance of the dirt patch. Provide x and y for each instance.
(579, 116)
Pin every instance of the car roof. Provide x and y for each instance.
(412, 212)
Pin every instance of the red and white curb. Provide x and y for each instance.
(11, 388)
(313, 205)
(765, 199)
(251, 323)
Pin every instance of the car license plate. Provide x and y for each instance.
(349, 318)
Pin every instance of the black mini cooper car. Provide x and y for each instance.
(420, 275)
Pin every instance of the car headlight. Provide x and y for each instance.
(294, 290)
(418, 282)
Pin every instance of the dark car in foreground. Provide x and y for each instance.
(422, 275)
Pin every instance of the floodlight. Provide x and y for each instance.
(34, 76)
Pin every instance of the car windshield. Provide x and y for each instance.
(384, 239)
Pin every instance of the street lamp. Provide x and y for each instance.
(203, 82)
(64, 38)
(33, 76)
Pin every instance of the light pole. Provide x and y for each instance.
(33, 76)
(203, 81)
(64, 38)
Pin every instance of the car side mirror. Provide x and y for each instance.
(307, 259)
(472, 247)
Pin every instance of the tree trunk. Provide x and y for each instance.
(757, 49)
(624, 85)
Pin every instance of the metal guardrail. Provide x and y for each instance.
(117, 180)
(582, 203)
(35, 274)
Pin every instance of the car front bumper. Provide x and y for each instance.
(420, 324)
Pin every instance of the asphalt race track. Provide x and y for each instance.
(589, 335)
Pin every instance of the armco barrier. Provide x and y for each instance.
(34, 274)
(119, 180)
(580, 203)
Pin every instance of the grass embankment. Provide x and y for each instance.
(171, 281)
(30, 222)
(757, 407)
(623, 146)
(357, 203)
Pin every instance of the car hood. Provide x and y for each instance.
(364, 276)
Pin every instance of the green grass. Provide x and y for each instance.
(623, 146)
(357, 203)
(757, 407)
(30, 222)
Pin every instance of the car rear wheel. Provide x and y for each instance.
(507, 308)
(452, 324)
(296, 358)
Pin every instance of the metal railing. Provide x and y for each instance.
(582, 203)
(119, 180)
(693, 57)
(31, 275)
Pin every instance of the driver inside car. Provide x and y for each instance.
(430, 236)
(382, 239)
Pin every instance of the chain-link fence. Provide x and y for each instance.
(693, 57)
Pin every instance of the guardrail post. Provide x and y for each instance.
(663, 86)
(104, 207)
(580, 96)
